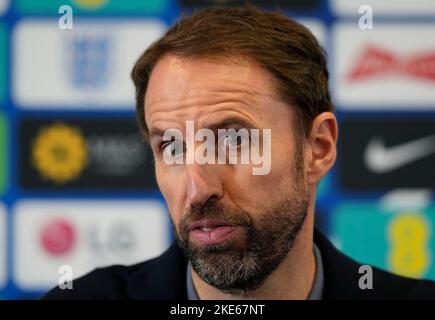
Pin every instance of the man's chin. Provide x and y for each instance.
(226, 272)
(215, 257)
(225, 248)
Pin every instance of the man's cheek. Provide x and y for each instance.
(163, 181)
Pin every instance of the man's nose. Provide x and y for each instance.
(203, 184)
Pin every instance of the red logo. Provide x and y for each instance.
(380, 62)
(58, 237)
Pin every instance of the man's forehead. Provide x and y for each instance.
(175, 80)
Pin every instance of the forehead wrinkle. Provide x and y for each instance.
(208, 121)
(195, 108)
(247, 91)
(209, 96)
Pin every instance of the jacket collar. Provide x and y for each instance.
(341, 272)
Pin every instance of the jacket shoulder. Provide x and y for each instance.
(99, 284)
(343, 276)
(161, 278)
(398, 287)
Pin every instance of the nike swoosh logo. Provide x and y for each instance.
(380, 159)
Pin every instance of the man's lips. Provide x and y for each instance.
(208, 224)
(208, 232)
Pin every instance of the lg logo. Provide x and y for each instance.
(59, 238)
(118, 238)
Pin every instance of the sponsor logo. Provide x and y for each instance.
(84, 154)
(381, 154)
(3, 243)
(87, 68)
(59, 153)
(88, 61)
(58, 237)
(84, 235)
(396, 239)
(377, 62)
(389, 68)
(381, 159)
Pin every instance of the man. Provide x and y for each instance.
(240, 235)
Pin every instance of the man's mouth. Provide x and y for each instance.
(210, 232)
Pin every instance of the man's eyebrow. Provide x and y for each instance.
(222, 124)
(155, 132)
(229, 122)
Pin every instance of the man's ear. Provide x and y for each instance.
(321, 147)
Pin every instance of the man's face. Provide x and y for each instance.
(234, 227)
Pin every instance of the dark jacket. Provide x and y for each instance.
(164, 278)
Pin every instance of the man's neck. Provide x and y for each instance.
(291, 280)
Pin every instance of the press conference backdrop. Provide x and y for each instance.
(77, 185)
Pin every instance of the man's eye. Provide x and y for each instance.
(173, 148)
(234, 139)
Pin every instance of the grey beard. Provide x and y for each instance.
(241, 268)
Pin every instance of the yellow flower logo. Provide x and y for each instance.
(59, 153)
